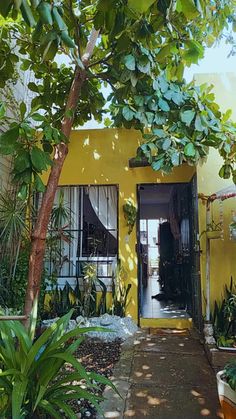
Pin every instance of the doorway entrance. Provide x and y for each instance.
(168, 252)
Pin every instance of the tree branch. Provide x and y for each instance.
(90, 47)
(102, 60)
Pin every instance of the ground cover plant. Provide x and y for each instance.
(224, 317)
(140, 50)
(33, 382)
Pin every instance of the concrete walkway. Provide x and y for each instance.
(163, 375)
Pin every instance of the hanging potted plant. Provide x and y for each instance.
(130, 214)
(232, 228)
(214, 231)
(226, 384)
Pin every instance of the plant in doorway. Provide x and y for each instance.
(226, 383)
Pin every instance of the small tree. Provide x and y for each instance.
(138, 48)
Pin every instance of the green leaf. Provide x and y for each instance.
(128, 114)
(27, 13)
(156, 165)
(38, 183)
(193, 52)
(150, 117)
(23, 192)
(40, 160)
(187, 116)
(22, 161)
(49, 408)
(33, 87)
(8, 140)
(177, 98)
(188, 8)
(166, 144)
(198, 124)
(159, 132)
(23, 109)
(140, 6)
(139, 100)
(144, 64)
(2, 110)
(133, 79)
(163, 84)
(37, 117)
(129, 62)
(175, 158)
(189, 150)
(18, 394)
(163, 105)
(5, 7)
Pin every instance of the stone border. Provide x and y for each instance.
(218, 358)
(114, 406)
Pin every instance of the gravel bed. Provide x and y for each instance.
(100, 357)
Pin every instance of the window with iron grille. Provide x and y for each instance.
(88, 234)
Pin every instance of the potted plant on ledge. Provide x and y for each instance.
(214, 231)
(226, 383)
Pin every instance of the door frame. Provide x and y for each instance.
(196, 293)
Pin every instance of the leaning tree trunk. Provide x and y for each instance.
(38, 237)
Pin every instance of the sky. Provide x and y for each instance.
(216, 60)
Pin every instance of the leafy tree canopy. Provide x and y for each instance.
(141, 51)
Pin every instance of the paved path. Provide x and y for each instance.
(163, 376)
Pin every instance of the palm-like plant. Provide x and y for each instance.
(33, 382)
(12, 218)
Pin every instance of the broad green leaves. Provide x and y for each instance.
(31, 370)
(183, 121)
(141, 53)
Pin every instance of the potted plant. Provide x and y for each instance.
(214, 230)
(224, 319)
(226, 383)
(232, 228)
(130, 214)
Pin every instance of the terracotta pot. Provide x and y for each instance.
(227, 397)
(214, 234)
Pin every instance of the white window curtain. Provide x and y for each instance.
(104, 202)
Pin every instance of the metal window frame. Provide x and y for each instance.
(96, 259)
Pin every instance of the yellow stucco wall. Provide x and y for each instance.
(101, 157)
(223, 252)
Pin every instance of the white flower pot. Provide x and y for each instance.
(227, 397)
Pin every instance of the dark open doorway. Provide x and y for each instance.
(168, 257)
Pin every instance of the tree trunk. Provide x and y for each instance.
(38, 237)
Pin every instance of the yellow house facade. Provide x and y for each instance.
(100, 158)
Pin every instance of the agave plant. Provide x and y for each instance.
(33, 382)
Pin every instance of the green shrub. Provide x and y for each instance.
(230, 374)
(33, 382)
